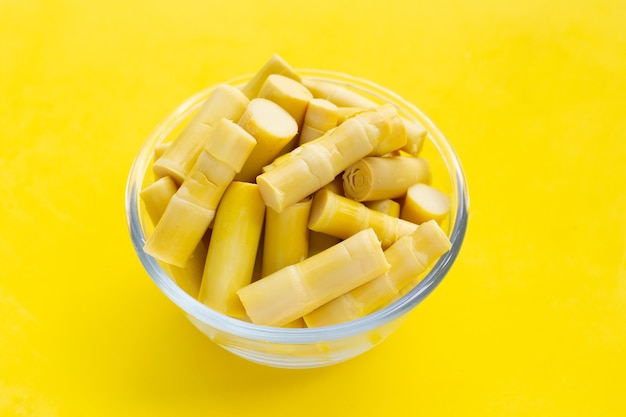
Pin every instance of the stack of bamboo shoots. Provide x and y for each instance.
(295, 202)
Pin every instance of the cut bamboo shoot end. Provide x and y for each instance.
(156, 196)
(387, 206)
(225, 102)
(424, 202)
(272, 128)
(189, 277)
(182, 153)
(321, 114)
(288, 94)
(429, 244)
(379, 178)
(296, 290)
(275, 65)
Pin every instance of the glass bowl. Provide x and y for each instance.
(303, 347)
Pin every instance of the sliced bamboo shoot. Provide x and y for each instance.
(224, 102)
(340, 96)
(387, 206)
(233, 248)
(275, 65)
(192, 208)
(156, 196)
(314, 164)
(424, 202)
(288, 94)
(272, 128)
(409, 257)
(296, 290)
(342, 217)
(415, 136)
(321, 116)
(379, 178)
(286, 239)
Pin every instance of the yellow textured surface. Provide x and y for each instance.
(530, 322)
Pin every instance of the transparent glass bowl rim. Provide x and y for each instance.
(296, 335)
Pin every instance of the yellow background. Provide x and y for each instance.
(530, 322)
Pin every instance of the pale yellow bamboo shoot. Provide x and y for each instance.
(156, 196)
(314, 164)
(296, 290)
(286, 238)
(409, 257)
(387, 206)
(275, 65)
(321, 116)
(379, 178)
(392, 134)
(340, 96)
(415, 136)
(225, 101)
(233, 248)
(272, 128)
(424, 202)
(342, 217)
(344, 113)
(192, 208)
(288, 94)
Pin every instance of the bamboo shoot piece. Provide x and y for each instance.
(321, 116)
(156, 196)
(415, 136)
(288, 94)
(342, 217)
(379, 178)
(423, 203)
(272, 128)
(296, 290)
(233, 248)
(340, 96)
(394, 134)
(224, 102)
(275, 65)
(160, 149)
(345, 113)
(314, 164)
(409, 257)
(192, 208)
(286, 239)
(387, 206)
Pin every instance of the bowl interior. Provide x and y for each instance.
(448, 176)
